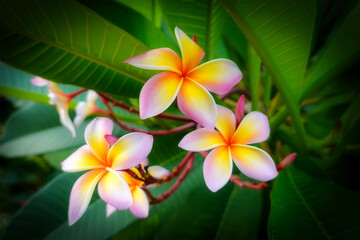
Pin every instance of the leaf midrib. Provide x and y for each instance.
(307, 207)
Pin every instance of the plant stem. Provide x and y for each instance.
(174, 187)
(74, 94)
(130, 109)
(254, 65)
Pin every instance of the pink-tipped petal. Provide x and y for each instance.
(140, 206)
(254, 162)
(81, 194)
(191, 53)
(94, 136)
(201, 140)
(158, 171)
(109, 210)
(38, 81)
(114, 190)
(217, 168)
(81, 160)
(158, 93)
(240, 109)
(111, 140)
(254, 128)
(145, 163)
(197, 103)
(218, 76)
(225, 122)
(157, 59)
(130, 150)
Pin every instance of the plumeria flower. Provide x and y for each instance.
(58, 98)
(140, 206)
(84, 109)
(185, 80)
(229, 143)
(105, 164)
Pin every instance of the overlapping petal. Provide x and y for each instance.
(140, 206)
(225, 122)
(81, 194)
(130, 150)
(254, 162)
(114, 190)
(157, 59)
(191, 53)
(217, 168)
(197, 103)
(81, 160)
(94, 136)
(218, 76)
(158, 93)
(201, 140)
(254, 128)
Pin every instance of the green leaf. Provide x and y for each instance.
(205, 19)
(339, 52)
(75, 45)
(254, 66)
(242, 216)
(281, 34)
(305, 207)
(36, 129)
(148, 33)
(51, 203)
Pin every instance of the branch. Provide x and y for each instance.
(130, 109)
(133, 129)
(174, 187)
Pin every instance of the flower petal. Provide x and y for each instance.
(94, 136)
(197, 103)
(130, 150)
(225, 122)
(157, 59)
(81, 194)
(201, 140)
(158, 93)
(158, 171)
(217, 168)
(38, 81)
(254, 162)
(109, 210)
(218, 76)
(81, 160)
(65, 119)
(140, 206)
(254, 128)
(191, 53)
(114, 190)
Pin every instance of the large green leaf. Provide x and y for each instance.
(305, 207)
(340, 50)
(281, 33)
(75, 45)
(130, 20)
(205, 19)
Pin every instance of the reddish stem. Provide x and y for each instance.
(74, 94)
(133, 129)
(174, 187)
(130, 109)
(236, 179)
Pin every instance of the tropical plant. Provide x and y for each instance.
(297, 102)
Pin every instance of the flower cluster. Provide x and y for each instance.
(62, 101)
(119, 165)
